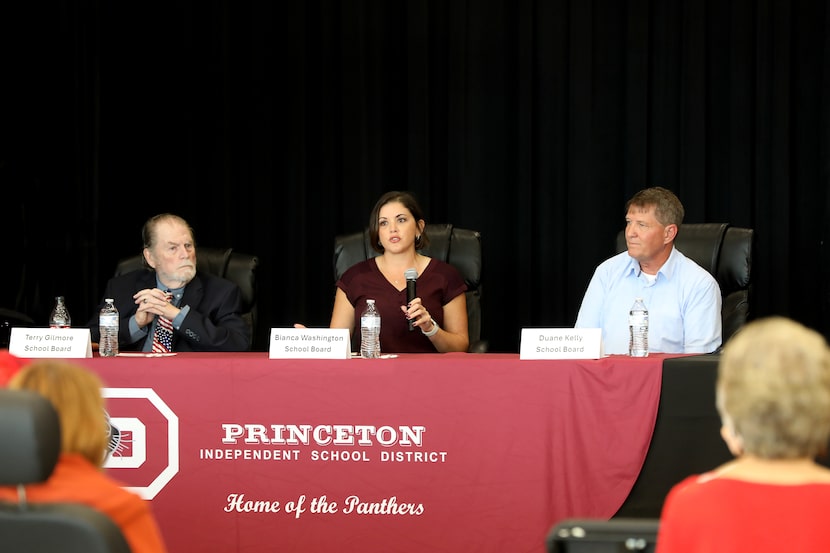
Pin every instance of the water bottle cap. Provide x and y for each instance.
(370, 301)
(109, 300)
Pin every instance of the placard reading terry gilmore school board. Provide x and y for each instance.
(50, 342)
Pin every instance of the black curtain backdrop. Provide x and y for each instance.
(274, 126)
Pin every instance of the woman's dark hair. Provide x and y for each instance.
(410, 203)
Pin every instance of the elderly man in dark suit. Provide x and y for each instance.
(171, 306)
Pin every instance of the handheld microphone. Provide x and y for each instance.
(411, 276)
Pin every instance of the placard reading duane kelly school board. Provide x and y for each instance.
(310, 343)
(561, 343)
(50, 342)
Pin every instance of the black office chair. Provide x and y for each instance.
(30, 434)
(726, 252)
(461, 248)
(239, 268)
(10, 319)
(603, 536)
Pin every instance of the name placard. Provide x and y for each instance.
(50, 342)
(561, 343)
(310, 343)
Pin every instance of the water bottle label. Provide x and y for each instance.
(370, 322)
(108, 320)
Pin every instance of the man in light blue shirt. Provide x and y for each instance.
(682, 298)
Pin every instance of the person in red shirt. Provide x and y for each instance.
(9, 365)
(773, 396)
(78, 477)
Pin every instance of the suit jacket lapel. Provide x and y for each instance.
(147, 280)
(193, 292)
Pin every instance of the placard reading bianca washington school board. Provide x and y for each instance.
(310, 343)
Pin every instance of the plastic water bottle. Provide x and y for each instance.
(59, 318)
(108, 326)
(638, 329)
(370, 331)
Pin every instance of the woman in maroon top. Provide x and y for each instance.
(439, 313)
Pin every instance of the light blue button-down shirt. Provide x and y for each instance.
(683, 302)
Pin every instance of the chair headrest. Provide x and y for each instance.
(458, 247)
(723, 250)
(210, 260)
(30, 437)
(237, 267)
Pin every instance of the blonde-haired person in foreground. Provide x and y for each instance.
(773, 396)
(78, 477)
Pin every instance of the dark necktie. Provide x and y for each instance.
(163, 336)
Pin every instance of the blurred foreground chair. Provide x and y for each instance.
(726, 252)
(603, 536)
(239, 268)
(30, 434)
(461, 248)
